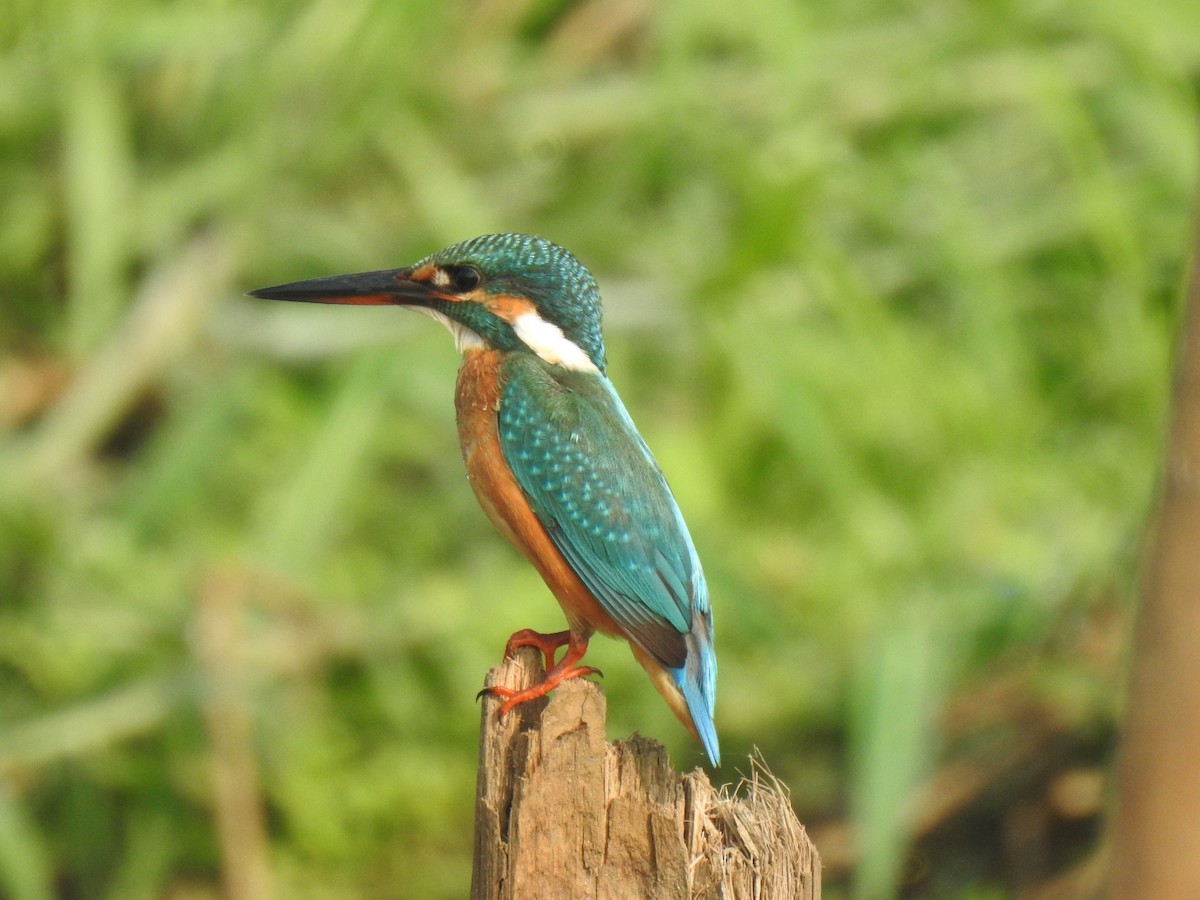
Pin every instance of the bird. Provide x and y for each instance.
(555, 460)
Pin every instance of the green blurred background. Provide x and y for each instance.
(891, 291)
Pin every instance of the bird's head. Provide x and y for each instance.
(510, 292)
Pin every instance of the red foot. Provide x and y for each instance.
(556, 673)
(548, 644)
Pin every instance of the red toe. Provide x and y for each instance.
(556, 673)
(547, 644)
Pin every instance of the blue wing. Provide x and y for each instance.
(596, 489)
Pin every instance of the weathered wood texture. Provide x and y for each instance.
(1153, 835)
(561, 813)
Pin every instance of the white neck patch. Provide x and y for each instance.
(464, 338)
(547, 341)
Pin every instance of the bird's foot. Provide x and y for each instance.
(547, 644)
(556, 673)
(514, 698)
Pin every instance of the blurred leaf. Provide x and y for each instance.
(24, 859)
(97, 178)
(893, 744)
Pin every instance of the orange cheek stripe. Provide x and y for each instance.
(508, 307)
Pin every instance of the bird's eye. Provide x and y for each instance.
(465, 278)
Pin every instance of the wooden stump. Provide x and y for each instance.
(561, 813)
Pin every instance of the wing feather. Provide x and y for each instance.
(596, 489)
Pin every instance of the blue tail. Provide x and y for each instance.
(697, 681)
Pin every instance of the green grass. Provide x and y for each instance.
(890, 291)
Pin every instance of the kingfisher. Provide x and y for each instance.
(555, 460)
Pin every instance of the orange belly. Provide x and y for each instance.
(477, 401)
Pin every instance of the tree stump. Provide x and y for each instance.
(559, 812)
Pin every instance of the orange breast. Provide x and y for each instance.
(477, 401)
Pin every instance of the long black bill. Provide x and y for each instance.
(388, 287)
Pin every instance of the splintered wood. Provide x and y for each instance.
(561, 813)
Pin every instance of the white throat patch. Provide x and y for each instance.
(464, 338)
(547, 341)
